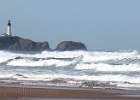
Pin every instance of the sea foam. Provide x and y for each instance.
(71, 66)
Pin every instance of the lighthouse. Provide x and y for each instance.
(9, 28)
(8, 33)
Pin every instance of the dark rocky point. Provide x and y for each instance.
(16, 43)
(70, 46)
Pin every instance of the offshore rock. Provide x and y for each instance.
(70, 46)
(16, 43)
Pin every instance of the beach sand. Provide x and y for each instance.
(23, 92)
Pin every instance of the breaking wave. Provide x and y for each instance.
(64, 67)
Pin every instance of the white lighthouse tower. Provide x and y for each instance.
(9, 28)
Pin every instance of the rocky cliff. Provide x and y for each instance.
(16, 43)
(70, 46)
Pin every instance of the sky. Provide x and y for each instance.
(108, 25)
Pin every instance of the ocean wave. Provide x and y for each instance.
(119, 66)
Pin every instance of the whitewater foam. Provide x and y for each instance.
(71, 67)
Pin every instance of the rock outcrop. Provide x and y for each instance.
(70, 46)
(16, 43)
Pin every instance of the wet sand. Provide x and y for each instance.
(23, 92)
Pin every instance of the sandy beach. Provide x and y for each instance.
(23, 92)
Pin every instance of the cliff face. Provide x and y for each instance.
(70, 46)
(16, 43)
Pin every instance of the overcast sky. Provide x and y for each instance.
(100, 24)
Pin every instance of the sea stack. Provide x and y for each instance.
(70, 46)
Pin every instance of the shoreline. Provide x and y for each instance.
(27, 92)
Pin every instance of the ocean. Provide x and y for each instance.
(87, 69)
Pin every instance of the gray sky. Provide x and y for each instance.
(100, 24)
